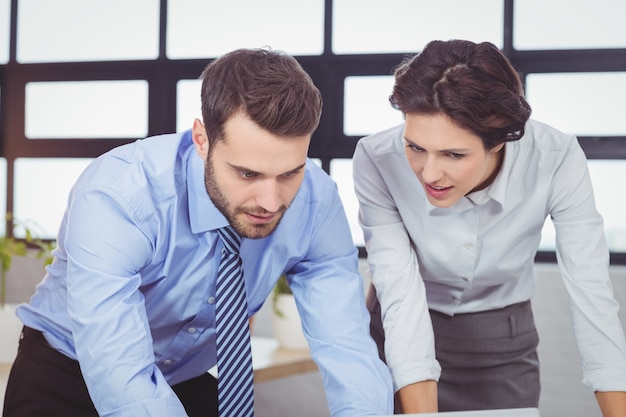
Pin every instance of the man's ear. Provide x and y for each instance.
(200, 139)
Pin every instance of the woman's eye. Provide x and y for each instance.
(455, 155)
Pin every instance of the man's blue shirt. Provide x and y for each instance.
(131, 293)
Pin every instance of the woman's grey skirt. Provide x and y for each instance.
(488, 359)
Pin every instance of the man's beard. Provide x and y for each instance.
(245, 230)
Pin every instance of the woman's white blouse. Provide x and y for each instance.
(479, 254)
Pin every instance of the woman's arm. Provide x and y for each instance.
(420, 397)
(612, 404)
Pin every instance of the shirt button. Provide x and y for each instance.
(191, 330)
(211, 300)
(468, 246)
(167, 362)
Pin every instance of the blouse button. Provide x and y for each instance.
(191, 330)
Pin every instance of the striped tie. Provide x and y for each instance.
(234, 358)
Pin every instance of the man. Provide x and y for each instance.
(124, 323)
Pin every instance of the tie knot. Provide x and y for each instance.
(231, 239)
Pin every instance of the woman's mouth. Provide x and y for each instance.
(437, 191)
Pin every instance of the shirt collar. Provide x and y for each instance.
(203, 215)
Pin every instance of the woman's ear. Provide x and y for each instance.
(200, 139)
(496, 148)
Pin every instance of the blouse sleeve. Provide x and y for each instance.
(409, 339)
(583, 259)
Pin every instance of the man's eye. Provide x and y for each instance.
(454, 155)
(290, 174)
(247, 174)
(414, 148)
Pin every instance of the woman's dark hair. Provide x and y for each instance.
(269, 86)
(475, 85)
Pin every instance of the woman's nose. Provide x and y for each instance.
(431, 171)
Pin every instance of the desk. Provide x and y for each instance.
(509, 412)
(271, 362)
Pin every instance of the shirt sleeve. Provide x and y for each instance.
(583, 258)
(409, 339)
(330, 297)
(105, 252)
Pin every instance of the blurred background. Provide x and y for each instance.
(79, 77)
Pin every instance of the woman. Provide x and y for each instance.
(452, 204)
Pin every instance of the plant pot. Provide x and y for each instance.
(287, 327)
(10, 328)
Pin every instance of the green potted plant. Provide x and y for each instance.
(285, 318)
(281, 288)
(10, 247)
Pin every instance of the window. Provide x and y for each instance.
(564, 24)
(96, 83)
(584, 103)
(86, 109)
(366, 107)
(362, 27)
(209, 28)
(5, 26)
(52, 186)
(78, 30)
(188, 106)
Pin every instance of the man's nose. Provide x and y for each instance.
(268, 195)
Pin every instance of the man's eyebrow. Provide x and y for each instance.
(241, 168)
(298, 168)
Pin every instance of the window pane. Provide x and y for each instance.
(188, 106)
(5, 30)
(209, 28)
(584, 104)
(367, 26)
(341, 172)
(55, 177)
(87, 109)
(610, 205)
(79, 30)
(566, 24)
(548, 237)
(366, 105)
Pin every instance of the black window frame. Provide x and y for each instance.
(328, 71)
